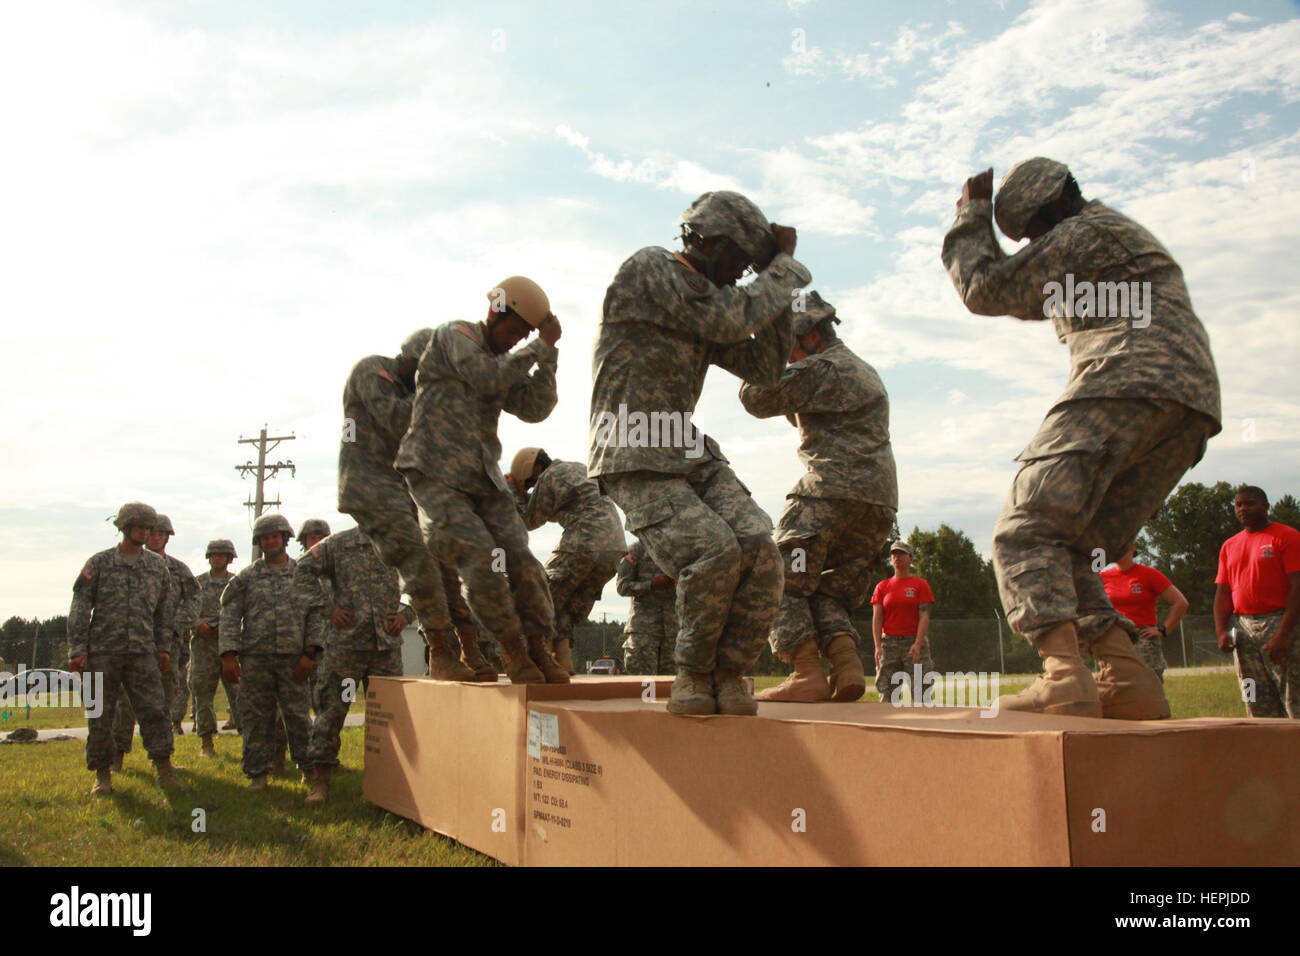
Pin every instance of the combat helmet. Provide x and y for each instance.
(135, 514)
(733, 216)
(816, 310)
(220, 546)
(314, 526)
(1027, 187)
(521, 467)
(269, 524)
(163, 523)
(522, 296)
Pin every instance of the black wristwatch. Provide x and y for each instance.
(1161, 629)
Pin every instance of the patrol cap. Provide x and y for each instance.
(901, 546)
(726, 213)
(522, 296)
(1026, 188)
(135, 514)
(220, 546)
(314, 526)
(270, 523)
(816, 310)
(163, 523)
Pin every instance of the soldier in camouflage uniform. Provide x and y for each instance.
(467, 377)
(1141, 403)
(312, 531)
(266, 650)
(360, 626)
(205, 662)
(184, 615)
(666, 318)
(377, 412)
(119, 635)
(652, 621)
(840, 512)
(589, 550)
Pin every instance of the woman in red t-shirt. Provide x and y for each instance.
(1133, 589)
(900, 618)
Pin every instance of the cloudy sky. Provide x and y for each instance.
(211, 211)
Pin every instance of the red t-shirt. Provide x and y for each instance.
(1134, 592)
(1255, 566)
(901, 598)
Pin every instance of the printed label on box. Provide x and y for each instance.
(543, 731)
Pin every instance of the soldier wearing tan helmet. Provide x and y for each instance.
(666, 318)
(1141, 403)
(468, 375)
(119, 638)
(184, 614)
(377, 411)
(838, 514)
(205, 662)
(587, 556)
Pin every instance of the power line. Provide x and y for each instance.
(261, 471)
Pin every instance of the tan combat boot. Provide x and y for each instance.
(103, 782)
(444, 662)
(807, 683)
(1065, 687)
(692, 694)
(167, 778)
(546, 662)
(519, 666)
(473, 658)
(258, 782)
(564, 653)
(1129, 689)
(208, 750)
(319, 778)
(733, 696)
(848, 680)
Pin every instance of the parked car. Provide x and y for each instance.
(604, 665)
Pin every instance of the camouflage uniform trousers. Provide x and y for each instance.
(470, 533)
(267, 689)
(1152, 653)
(576, 580)
(182, 698)
(895, 660)
(828, 547)
(135, 676)
(344, 674)
(205, 672)
(705, 531)
(124, 716)
(1094, 473)
(1276, 689)
(391, 525)
(649, 653)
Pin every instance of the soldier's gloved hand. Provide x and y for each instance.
(342, 618)
(979, 186)
(661, 582)
(164, 661)
(230, 667)
(302, 669)
(395, 624)
(77, 664)
(549, 330)
(785, 237)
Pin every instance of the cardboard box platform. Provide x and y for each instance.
(593, 774)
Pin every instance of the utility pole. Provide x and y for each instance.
(261, 470)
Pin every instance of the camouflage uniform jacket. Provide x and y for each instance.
(566, 495)
(262, 612)
(462, 388)
(185, 596)
(841, 409)
(121, 608)
(662, 325)
(210, 589)
(1110, 357)
(653, 612)
(377, 412)
(347, 570)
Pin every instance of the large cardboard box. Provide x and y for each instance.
(607, 777)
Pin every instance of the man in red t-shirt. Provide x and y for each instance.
(1259, 580)
(1133, 589)
(900, 617)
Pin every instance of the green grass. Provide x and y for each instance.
(50, 819)
(45, 718)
